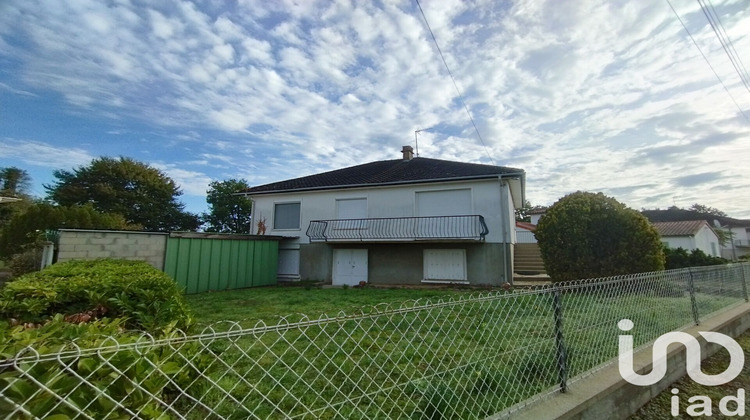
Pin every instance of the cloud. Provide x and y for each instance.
(583, 95)
(15, 91)
(191, 182)
(697, 179)
(43, 154)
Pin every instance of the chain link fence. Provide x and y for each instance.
(470, 357)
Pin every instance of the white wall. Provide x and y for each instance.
(390, 201)
(685, 242)
(702, 240)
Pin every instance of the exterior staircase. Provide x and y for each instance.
(528, 267)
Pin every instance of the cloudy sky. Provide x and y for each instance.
(607, 95)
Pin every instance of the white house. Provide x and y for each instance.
(738, 246)
(689, 235)
(403, 221)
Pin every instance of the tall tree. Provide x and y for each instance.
(14, 182)
(228, 212)
(700, 208)
(142, 194)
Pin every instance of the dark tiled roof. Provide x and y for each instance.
(677, 215)
(387, 172)
(683, 228)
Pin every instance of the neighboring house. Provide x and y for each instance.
(401, 221)
(525, 233)
(689, 235)
(536, 214)
(739, 228)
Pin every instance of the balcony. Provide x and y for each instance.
(742, 243)
(397, 229)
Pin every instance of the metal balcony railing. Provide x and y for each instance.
(454, 228)
(742, 243)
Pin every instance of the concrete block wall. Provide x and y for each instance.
(77, 244)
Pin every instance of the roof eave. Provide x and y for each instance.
(385, 184)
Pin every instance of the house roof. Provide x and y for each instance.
(682, 228)
(388, 172)
(676, 215)
(537, 210)
(526, 225)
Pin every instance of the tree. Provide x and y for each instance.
(228, 212)
(522, 214)
(587, 235)
(14, 182)
(24, 228)
(700, 208)
(142, 194)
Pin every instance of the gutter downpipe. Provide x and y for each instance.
(506, 217)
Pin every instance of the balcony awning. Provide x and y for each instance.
(471, 228)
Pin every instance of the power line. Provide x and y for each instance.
(726, 43)
(460, 96)
(707, 62)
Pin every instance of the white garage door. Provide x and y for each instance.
(445, 264)
(349, 266)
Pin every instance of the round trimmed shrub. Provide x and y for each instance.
(587, 235)
(147, 298)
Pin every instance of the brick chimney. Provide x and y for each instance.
(408, 152)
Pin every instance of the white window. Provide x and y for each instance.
(351, 208)
(444, 203)
(286, 216)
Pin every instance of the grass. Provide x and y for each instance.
(660, 406)
(270, 303)
(467, 359)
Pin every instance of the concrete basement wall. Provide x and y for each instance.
(77, 244)
(605, 395)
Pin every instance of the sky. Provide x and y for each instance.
(604, 96)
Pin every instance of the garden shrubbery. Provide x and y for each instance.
(94, 304)
(147, 298)
(680, 258)
(586, 235)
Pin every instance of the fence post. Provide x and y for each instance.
(744, 282)
(562, 356)
(693, 304)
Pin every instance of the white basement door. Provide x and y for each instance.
(349, 266)
(445, 264)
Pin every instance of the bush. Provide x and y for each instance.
(147, 298)
(26, 261)
(679, 258)
(23, 228)
(136, 377)
(587, 235)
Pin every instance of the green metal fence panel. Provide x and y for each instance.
(200, 264)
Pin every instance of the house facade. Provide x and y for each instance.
(404, 221)
(736, 230)
(689, 235)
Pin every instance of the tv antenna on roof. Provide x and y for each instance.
(416, 140)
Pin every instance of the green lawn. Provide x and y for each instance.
(270, 303)
(465, 359)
